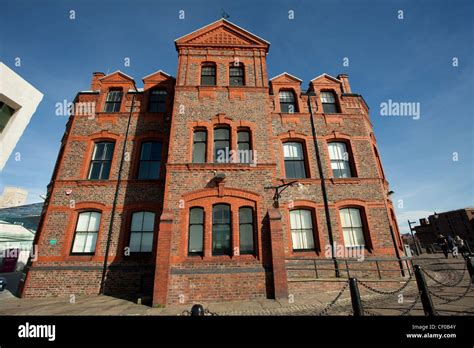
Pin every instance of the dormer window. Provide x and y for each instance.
(157, 100)
(328, 99)
(208, 75)
(236, 75)
(287, 102)
(113, 101)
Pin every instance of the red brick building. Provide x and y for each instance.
(144, 183)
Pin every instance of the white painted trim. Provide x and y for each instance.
(158, 71)
(328, 76)
(223, 20)
(285, 73)
(117, 71)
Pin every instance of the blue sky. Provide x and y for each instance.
(407, 60)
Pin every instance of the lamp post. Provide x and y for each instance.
(417, 248)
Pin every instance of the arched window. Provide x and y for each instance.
(85, 236)
(113, 100)
(221, 230)
(294, 160)
(199, 146)
(157, 101)
(352, 227)
(302, 234)
(236, 75)
(101, 160)
(221, 144)
(141, 231)
(196, 231)
(287, 102)
(150, 160)
(246, 230)
(208, 74)
(340, 160)
(328, 99)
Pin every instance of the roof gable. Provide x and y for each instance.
(117, 76)
(159, 75)
(325, 76)
(285, 78)
(222, 33)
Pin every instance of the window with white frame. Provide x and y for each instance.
(340, 160)
(87, 229)
(302, 235)
(328, 99)
(141, 232)
(352, 227)
(294, 160)
(287, 102)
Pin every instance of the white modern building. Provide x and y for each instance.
(18, 103)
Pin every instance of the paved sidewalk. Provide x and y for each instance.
(441, 271)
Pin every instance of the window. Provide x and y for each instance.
(352, 228)
(287, 102)
(196, 231)
(301, 224)
(141, 234)
(101, 161)
(208, 75)
(6, 113)
(243, 146)
(85, 237)
(246, 230)
(221, 230)
(113, 101)
(199, 146)
(236, 75)
(157, 101)
(329, 102)
(340, 163)
(294, 160)
(221, 144)
(150, 160)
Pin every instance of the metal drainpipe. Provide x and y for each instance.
(114, 204)
(323, 187)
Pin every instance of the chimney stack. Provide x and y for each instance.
(95, 84)
(346, 88)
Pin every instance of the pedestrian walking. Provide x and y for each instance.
(452, 246)
(443, 243)
(461, 246)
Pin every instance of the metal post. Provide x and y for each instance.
(413, 238)
(469, 266)
(357, 307)
(197, 311)
(424, 293)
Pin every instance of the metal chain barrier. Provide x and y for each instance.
(409, 309)
(449, 300)
(381, 292)
(208, 312)
(333, 302)
(444, 284)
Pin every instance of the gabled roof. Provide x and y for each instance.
(326, 76)
(158, 72)
(287, 75)
(120, 73)
(221, 33)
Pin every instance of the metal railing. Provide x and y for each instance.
(316, 267)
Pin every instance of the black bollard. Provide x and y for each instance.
(197, 310)
(355, 297)
(470, 268)
(428, 306)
